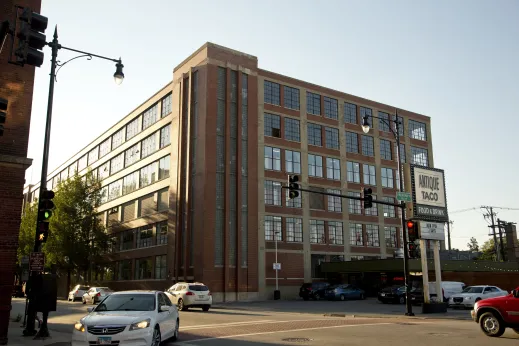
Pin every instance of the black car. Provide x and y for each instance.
(314, 290)
(392, 294)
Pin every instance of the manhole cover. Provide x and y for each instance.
(296, 339)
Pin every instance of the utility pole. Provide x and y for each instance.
(500, 224)
(449, 224)
(493, 225)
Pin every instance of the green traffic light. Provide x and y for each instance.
(47, 214)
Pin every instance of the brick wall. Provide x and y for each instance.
(16, 85)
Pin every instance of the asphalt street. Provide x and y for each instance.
(304, 325)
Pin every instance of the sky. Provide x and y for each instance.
(454, 61)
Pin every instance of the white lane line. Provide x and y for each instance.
(282, 331)
(230, 324)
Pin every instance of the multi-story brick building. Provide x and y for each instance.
(16, 86)
(193, 179)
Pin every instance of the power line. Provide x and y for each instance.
(463, 210)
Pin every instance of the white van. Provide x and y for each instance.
(448, 287)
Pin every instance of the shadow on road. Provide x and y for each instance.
(224, 312)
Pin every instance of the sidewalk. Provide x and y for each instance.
(16, 338)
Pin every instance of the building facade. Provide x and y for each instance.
(193, 179)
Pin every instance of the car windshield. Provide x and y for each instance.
(471, 289)
(198, 288)
(128, 302)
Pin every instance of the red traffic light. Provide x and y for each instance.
(410, 224)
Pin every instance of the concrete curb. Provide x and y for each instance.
(459, 318)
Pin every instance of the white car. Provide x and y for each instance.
(190, 295)
(96, 294)
(472, 294)
(143, 318)
(77, 292)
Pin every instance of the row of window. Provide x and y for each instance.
(145, 269)
(142, 237)
(272, 95)
(327, 232)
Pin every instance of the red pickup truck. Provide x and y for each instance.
(494, 315)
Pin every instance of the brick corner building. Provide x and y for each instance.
(193, 179)
(16, 86)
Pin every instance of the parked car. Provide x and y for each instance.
(313, 290)
(129, 318)
(77, 292)
(392, 294)
(473, 294)
(494, 315)
(448, 289)
(343, 292)
(190, 295)
(96, 294)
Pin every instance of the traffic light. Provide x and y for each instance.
(412, 231)
(43, 232)
(293, 186)
(46, 206)
(3, 114)
(368, 198)
(413, 253)
(31, 38)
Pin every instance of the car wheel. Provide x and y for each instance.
(206, 307)
(83, 300)
(516, 330)
(181, 306)
(175, 333)
(156, 337)
(342, 297)
(491, 325)
(477, 300)
(401, 300)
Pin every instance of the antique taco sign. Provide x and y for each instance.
(429, 197)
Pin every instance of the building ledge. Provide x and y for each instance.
(11, 160)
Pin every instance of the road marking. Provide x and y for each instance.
(187, 343)
(230, 324)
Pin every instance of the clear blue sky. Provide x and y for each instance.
(455, 61)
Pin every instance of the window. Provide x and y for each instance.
(317, 232)
(104, 148)
(314, 135)
(292, 161)
(356, 236)
(272, 192)
(116, 164)
(367, 146)
(165, 136)
(272, 125)
(385, 150)
(372, 235)
(164, 166)
(162, 233)
(273, 226)
(272, 93)
(353, 204)
(93, 155)
(292, 130)
(388, 210)
(145, 236)
(397, 175)
(104, 194)
(367, 111)
(118, 138)
(370, 176)
(294, 230)
(387, 177)
(350, 113)
(160, 267)
(150, 116)
(127, 240)
(130, 183)
(332, 137)
(133, 128)
(400, 124)
(291, 97)
(352, 142)
(333, 169)
(82, 163)
(419, 156)
(335, 233)
(149, 145)
(132, 155)
(373, 211)
(166, 105)
(64, 174)
(391, 236)
(334, 202)
(315, 166)
(272, 159)
(331, 108)
(313, 103)
(294, 202)
(353, 172)
(148, 175)
(402, 153)
(115, 189)
(316, 199)
(143, 268)
(125, 270)
(72, 170)
(417, 130)
(104, 170)
(383, 121)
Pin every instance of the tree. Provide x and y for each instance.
(473, 245)
(27, 230)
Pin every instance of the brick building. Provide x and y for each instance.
(16, 86)
(193, 179)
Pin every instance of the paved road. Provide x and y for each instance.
(262, 327)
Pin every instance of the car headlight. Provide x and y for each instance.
(468, 298)
(141, 325)
(79, 327)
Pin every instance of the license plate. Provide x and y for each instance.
(382, 294)
(104, 340)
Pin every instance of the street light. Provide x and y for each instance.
(119, 75)
(365, 129)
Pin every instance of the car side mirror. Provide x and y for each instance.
(90, 310)
(164, 308)
(515, 293)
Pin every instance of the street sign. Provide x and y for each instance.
(404, 197)
(25, 260)
(432, 230)
(276, 266)
(36, 262)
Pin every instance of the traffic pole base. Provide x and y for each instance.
(28, 332)
(42, 334)
(409, 313)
